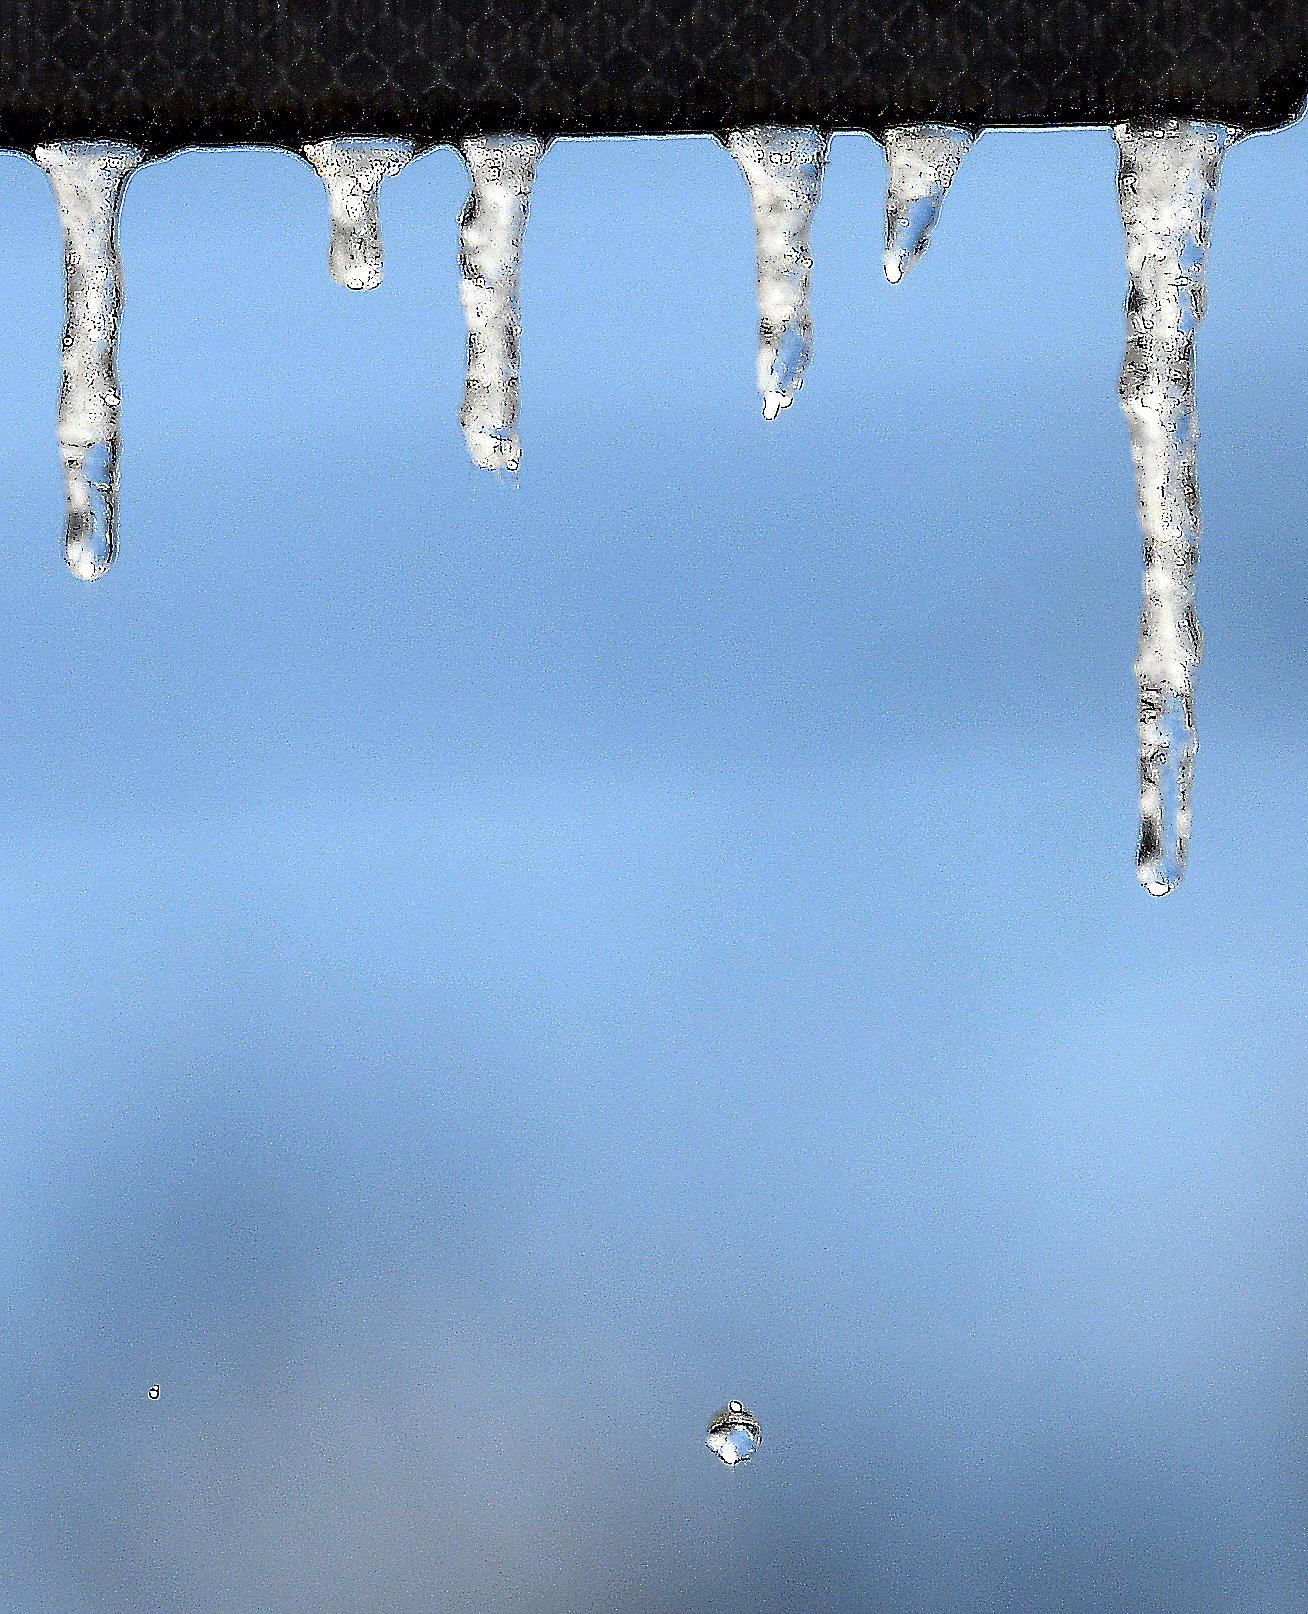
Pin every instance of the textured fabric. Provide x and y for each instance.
(171, 72)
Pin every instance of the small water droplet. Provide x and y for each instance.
(734, 1434)
(154, 1392)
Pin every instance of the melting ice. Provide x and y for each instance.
(352, 169)
(734, 1434)
(88, 178)
(1167, 185)
(502, 168)
(784, 171)
(921, 161)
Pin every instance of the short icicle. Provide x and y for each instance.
(784, 170)
(1167, 186)
(352, 169)
(88, 178)
(490, 233)
(921, 161)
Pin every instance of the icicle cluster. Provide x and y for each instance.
(783, 168)
(1167, 185)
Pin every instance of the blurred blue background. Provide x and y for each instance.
(489, 974)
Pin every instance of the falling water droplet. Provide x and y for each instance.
(490, 233)
(1167, 185)
(784, 170)
(734, 1434)
(88, 179)
(921, 161)
(352, 169)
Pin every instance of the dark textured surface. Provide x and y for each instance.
(172, 72)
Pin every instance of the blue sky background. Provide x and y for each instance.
(489, 974)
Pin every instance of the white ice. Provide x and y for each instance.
(352, 169)
(1167, 185)
(921, 161)
(491, 229)
(784, 170)
(88, 178)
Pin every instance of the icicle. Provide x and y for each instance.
(89, 178)
(784, 171)
(491, 229)
(1167, 185)
(352, 169)
(921, 161)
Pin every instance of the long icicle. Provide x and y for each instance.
(921, 161)
(88, 179)
(352, 168)
(784, 170)
(490, 232)
(1167, 185)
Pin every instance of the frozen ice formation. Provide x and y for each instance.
(784, 170)
(1167, 185)
(88, 178)
(921, 161)
(494, 218)
(352, 168)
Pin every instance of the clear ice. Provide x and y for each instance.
(490, 232)
(1167, 186)
(88, 178)
(921, 161)
(784, 170)
(352, 169)
(734, 1434)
